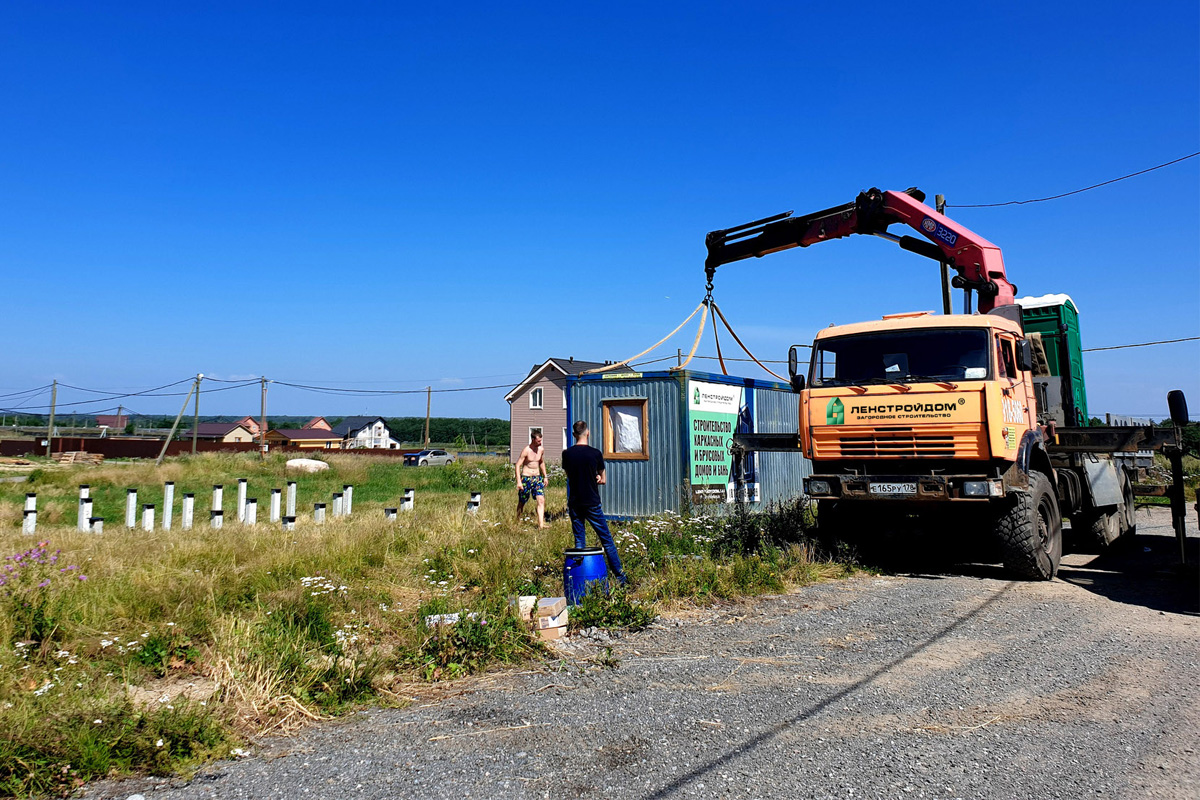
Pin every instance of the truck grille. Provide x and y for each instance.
(926, 441)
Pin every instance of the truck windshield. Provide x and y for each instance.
(915, 356)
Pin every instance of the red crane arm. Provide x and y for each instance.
(977, 261)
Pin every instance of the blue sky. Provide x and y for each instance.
(388, 196)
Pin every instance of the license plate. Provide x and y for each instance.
(893, 488)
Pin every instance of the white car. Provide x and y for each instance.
(429, 458)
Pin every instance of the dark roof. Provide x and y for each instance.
(305, 433)
(351, 425)
(575, 367)
(214, 429)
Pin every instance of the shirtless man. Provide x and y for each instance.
(531, 478)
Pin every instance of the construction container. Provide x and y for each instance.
(1053, 322)
(666, 439)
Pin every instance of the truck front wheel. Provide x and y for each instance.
(1029, 529)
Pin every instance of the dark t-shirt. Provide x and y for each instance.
(583, 464)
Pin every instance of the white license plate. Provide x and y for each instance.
(893, 488)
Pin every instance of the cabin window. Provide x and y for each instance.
(1008, 358)
(535, 398)
(625, 429)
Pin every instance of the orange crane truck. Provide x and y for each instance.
(980, 413)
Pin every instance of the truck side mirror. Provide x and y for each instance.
(794, 370)
(1024, 356)
(1178, 405)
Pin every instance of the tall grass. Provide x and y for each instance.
(282, 627)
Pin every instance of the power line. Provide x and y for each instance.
(1077, 191)
(1140, 344)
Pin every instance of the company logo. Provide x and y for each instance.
(904, 408)
(929, 225)
(696, 397)
(835, 412)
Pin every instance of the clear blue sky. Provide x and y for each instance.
(393, 195)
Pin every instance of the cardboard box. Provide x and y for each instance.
(525, 605)
(551, 606)
(554, 622)
(550, 634)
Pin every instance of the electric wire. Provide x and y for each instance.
(1140, 344)
(1077, 191)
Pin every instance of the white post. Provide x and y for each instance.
(389, 514)
(275, 495)
(338, 507)
(96, 524)
(216, 519)
(148, 517)
(318, 513)
(473, 503)
(131, 508)
(289, 523)
(189, 509)
(410, 496)
(251, 511)
(81, 524)
(168, 504)
(31, 501)
(241, 500)
(29, 521)
(85, 514)
(218, 497)
(291, 499)
(85, 491)
(347, 499)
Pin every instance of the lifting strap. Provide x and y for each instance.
(624, 363)
(717, 339)
(739, 341)
(700, 332)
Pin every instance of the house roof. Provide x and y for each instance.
(352, 425)
(305, 434)
(567, 366)
(313, 422)
(215, 429)
(112, 420)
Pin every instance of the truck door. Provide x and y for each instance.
(1016, 397)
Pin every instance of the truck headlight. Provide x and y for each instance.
(818, 487)
(976, 488)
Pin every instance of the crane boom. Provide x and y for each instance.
(977, 261)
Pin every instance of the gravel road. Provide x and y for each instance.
(961, 684)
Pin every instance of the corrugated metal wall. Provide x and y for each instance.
(642, 488)
(638, 488)
(781, 475)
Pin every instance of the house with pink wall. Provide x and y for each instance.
(540, 403)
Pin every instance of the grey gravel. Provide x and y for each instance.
(962, 684)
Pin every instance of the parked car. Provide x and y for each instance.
(429, 458)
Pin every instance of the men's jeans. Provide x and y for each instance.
(595, 515)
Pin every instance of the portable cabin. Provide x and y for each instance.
(665, 437)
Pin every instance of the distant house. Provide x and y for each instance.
(115, 421)
(371, 433)
(220, 432)
(305, 438)
(540, 403)
(317, 423)
(249, 424)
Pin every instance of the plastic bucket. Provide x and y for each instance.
(581, 567)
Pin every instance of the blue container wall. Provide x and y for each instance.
(643, 488)
(637, 488)
(781, 475)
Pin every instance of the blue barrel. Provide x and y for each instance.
(583, 566)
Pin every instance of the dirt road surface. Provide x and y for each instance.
(962, 684)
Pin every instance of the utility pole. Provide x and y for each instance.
(175, 426)
(678, 357)
(428, 404)
(50, 427)
(196, 413)
(940, 201)
(262, 426)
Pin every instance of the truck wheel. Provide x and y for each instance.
(1129, 512)
(1106, 528)
(1029, 529)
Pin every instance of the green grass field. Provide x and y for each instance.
(139, 651)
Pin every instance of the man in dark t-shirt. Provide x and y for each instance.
(584, 466)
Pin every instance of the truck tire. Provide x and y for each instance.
(1105, 528)
(1129, 512)
(1029, 530)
